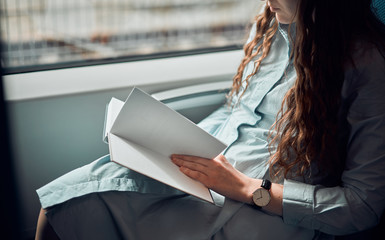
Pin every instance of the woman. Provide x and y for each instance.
(305, 130)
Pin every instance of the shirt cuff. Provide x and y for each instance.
(298, 203)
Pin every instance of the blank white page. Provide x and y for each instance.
(150, 123)
(154, 165)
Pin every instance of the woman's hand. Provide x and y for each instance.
(219, 175)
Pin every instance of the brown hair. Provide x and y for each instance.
(266, 29)
(307, 124)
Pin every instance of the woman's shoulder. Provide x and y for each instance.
(368, 54)
(365, 79)
(366, 63)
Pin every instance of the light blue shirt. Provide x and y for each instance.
(308, 206)
(246, 126)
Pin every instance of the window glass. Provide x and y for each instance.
(48, 32)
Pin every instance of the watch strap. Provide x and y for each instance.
(266, 184)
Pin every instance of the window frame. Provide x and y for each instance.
(181, 67)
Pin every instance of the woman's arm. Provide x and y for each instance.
(358, 202)
(212, 123)
(219, 175)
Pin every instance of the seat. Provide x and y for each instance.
(197, 101)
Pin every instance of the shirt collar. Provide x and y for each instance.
(284, 29)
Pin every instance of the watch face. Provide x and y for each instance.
(261, 197)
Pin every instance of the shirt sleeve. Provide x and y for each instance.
(214, 121)
(357, 204)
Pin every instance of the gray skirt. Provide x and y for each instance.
(132, 215)
(103, 200)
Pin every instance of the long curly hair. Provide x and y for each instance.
(266, 29)
(307, 125)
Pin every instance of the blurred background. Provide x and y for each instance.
(35, 33)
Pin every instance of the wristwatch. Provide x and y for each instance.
(261, 196)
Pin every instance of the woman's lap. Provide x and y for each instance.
(132, 215)
(101, 175)
(104, 200)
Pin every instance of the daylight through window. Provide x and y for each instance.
(46, 32)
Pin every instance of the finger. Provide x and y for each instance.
(221, 158)
(188, 158)
(196, 175)
(190, 165)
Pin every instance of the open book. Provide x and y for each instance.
(143, 133)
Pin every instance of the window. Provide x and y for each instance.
(41, 34)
